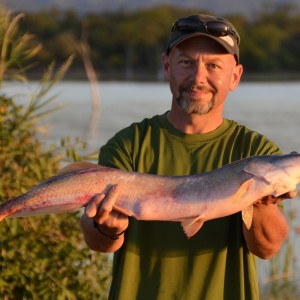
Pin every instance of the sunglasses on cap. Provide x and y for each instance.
(214, 28)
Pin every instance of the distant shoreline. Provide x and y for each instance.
(79, 75)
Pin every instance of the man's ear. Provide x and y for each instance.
(236, 77)
(166, 65)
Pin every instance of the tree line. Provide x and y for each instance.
(128, 45)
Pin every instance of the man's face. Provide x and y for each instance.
(201, 73)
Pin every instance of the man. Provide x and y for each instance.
(155, 260)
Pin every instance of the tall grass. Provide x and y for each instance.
(42, 257)
(281, 277)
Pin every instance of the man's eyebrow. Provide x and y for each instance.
(183, 54)
(212, 56)
(216, 57)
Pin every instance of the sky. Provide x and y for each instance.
(220, 7)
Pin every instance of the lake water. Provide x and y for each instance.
(269, 108)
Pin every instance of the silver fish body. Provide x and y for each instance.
(191, 200)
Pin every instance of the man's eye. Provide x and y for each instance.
(212, 66)
(186, 62)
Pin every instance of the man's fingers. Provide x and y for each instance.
(292, 194)
(274, 200)
(288, 195)
(92, 208)
(102, 205)
(108, 203)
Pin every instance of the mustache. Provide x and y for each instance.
(193, 86)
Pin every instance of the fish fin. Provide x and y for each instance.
(260, 169)
(242, 189)
(247, 216)
(78, 166)
(191, 226)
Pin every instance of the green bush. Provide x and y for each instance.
(41, 257)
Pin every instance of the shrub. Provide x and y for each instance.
(42, 257)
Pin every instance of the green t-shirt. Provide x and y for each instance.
(157, 261)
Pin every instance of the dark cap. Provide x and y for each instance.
(216, 28)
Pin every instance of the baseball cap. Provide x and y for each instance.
(216, 28)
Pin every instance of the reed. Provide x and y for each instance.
(40, 257)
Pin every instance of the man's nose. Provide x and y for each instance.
(199, 73)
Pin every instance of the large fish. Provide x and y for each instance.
(191, 200)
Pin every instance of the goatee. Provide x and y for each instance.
(191, 105)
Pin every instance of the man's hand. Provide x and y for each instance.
(110, 223)
(275, 200)
(100, 209)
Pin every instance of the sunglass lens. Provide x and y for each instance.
(186, 25)
(217, 28)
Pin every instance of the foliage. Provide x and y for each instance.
(42, 257)
(132, 42)
(15, 50)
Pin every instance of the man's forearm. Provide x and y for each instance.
(268, 231)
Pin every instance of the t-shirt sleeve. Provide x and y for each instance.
(263, 146)
(116, 153)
